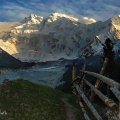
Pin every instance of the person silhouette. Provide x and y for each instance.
(108, 48)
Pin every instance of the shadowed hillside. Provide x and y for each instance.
(8, 61)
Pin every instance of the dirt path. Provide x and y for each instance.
(69, 109)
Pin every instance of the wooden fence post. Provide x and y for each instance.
(73, 71)
(98, 82)
(119, 111)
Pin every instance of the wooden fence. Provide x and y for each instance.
(79, 87)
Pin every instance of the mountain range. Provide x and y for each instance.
(58, 36)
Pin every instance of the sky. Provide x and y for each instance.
(17, 10)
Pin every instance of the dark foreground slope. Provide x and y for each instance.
(23, 100)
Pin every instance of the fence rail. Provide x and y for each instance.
(113, 111)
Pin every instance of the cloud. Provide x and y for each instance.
(86, 20)
(13, 12)
(102, 10)
(16, 10)
(89, 19)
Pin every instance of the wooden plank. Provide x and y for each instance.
(116, 92)
(84, 111)
(109, 102)
(88, 103)
(73, 72)
(108, 81)
(119, 111)
(102, 71)
(84, 66)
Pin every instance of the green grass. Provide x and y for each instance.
(24, 100)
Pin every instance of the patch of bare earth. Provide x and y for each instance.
(70, 111)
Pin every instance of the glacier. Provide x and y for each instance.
(49, 76)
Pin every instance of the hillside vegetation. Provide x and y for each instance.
(23, 100)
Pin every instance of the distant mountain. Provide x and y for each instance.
(59, 36)
(8, 61)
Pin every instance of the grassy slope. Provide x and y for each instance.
(24, 100)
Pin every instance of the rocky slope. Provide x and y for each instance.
(59, 36)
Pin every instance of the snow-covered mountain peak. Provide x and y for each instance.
(116, 20)
(32, 19)
(56, 15)
(59, 36)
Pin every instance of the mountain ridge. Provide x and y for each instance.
(59, 36)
